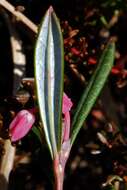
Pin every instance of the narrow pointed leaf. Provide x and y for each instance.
(93, 89)
(49, 68)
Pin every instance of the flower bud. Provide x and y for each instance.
(67, 104)
(66, 107)
(21, 125)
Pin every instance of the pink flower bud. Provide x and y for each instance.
(67, 104)
(21, 125)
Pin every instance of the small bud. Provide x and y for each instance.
(92, 61)
(74, 51)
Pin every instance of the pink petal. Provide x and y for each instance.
(66, 129)
(67, 104)
(21, 125)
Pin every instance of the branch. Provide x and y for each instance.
(19, 15)
(7, 159)
(18, 57)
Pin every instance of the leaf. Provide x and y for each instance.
(37, 133)
(93, 89)
(49, 73)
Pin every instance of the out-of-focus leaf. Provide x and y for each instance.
(37, 132)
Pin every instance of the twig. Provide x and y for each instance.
(7, 159)
(19, 15)
(19, 66)
(18, 57)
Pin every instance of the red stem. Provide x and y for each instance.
(59, 164)
(58, 174)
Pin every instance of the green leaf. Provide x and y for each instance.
(49, 74)
(37, 132)
(93, 89)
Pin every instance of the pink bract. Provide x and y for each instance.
(21, 125)
(67, 104)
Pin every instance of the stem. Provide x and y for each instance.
(58, 174)
(60, 163)
(19, 15)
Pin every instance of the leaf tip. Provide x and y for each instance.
(50, 9)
